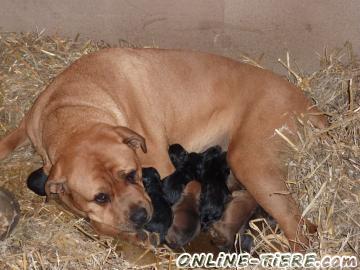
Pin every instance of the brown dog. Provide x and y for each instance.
(89, 122)
(186, 221)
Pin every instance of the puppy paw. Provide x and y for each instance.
(154, 239)
(218, 239)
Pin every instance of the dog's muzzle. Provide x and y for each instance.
(139, 216)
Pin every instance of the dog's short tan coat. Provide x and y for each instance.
(90, 120)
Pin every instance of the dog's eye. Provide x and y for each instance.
(131, 176)
(102, 198)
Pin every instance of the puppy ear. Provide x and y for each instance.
(56, 182)
(131, 138)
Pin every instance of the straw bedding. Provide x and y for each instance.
(323, 165)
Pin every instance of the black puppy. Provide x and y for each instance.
(162, 215)
(36, 182)
(188, 167)
(214, 191)
(211, 169)
(178, 155)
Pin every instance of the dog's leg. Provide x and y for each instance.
(13, 140)
(256, 164)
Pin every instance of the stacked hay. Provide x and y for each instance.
(323, 171)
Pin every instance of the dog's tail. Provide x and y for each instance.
(14, 139)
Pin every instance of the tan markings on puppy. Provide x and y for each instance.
(237, 213)
(186, 221)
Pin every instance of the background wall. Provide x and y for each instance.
(227, 27)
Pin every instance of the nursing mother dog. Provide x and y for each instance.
(117, 110)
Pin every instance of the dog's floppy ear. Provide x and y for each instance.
(56, 182)
(131, 138)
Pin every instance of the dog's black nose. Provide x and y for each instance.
(139, 216)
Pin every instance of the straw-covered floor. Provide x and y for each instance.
(323, 165)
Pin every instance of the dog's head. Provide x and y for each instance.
(99, 176)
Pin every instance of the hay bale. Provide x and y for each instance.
(323, 173)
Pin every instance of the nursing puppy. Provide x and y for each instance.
(211, 170)
(178, 155)
(186, 221)
(162, 215)
(214, 191)
(188, 167)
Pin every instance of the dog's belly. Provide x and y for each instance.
(200, 138)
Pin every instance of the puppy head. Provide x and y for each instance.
(192, 168)
(189, 169)
(178, 155)
(215, 164)
(151, 180)
(162, 215)
(213, 201)
(99, 176)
